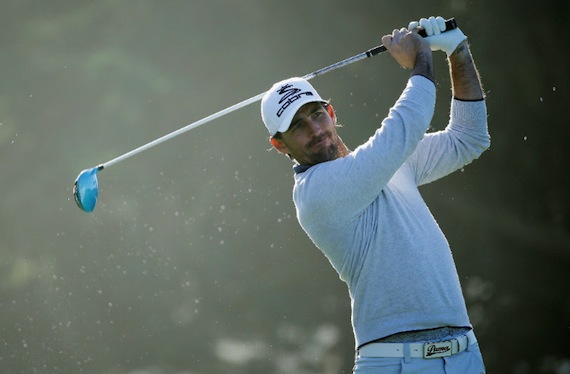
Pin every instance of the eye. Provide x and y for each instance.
(318, 114)
(295, 126)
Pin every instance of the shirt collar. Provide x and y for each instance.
(299, 168)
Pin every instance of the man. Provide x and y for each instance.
(363, 210)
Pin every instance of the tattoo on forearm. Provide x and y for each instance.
(466, 83)
(460, 48)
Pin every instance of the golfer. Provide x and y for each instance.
(363, 210)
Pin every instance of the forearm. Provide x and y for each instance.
(465, 79)
(424, 65)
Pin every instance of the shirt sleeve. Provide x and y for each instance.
(463, 140)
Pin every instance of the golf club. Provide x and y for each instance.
(86, 187)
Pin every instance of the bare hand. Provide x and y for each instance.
(404, 46)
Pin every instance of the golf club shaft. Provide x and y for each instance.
(450, 24)
(182, 130)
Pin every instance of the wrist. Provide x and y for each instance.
(462, 49)
(424, 64)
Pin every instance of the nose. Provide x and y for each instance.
(315, 128)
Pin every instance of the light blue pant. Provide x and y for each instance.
(466, 362)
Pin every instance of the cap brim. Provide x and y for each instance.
(287, 120)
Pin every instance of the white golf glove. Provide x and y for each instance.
(437, 39)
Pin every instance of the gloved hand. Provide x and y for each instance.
(437, 39)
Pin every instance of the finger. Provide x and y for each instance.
(387, 40)
(426, 25)
(396, 35)
(413, 25)
(440, 23)
(434, 25)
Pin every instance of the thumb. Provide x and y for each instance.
(387, 40)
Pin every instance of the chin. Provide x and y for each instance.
(328, 154)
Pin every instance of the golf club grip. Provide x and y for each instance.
(450, 24)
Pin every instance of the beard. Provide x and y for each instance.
(328, 153)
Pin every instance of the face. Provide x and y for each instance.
(312, 136)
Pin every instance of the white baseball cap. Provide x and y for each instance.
(283, 100)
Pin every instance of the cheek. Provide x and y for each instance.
(297, 139)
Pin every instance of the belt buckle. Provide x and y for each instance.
(438, 350)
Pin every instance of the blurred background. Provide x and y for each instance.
(193, 261)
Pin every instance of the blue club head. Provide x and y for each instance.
(86, 189)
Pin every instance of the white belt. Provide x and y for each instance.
(419, 350)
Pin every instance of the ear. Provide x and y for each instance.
(279, 145)
(331, 112)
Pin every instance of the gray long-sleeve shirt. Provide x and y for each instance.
(365, 213)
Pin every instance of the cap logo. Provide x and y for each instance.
(289, 94)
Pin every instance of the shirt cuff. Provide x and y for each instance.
(421, 82)
(468, 110)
